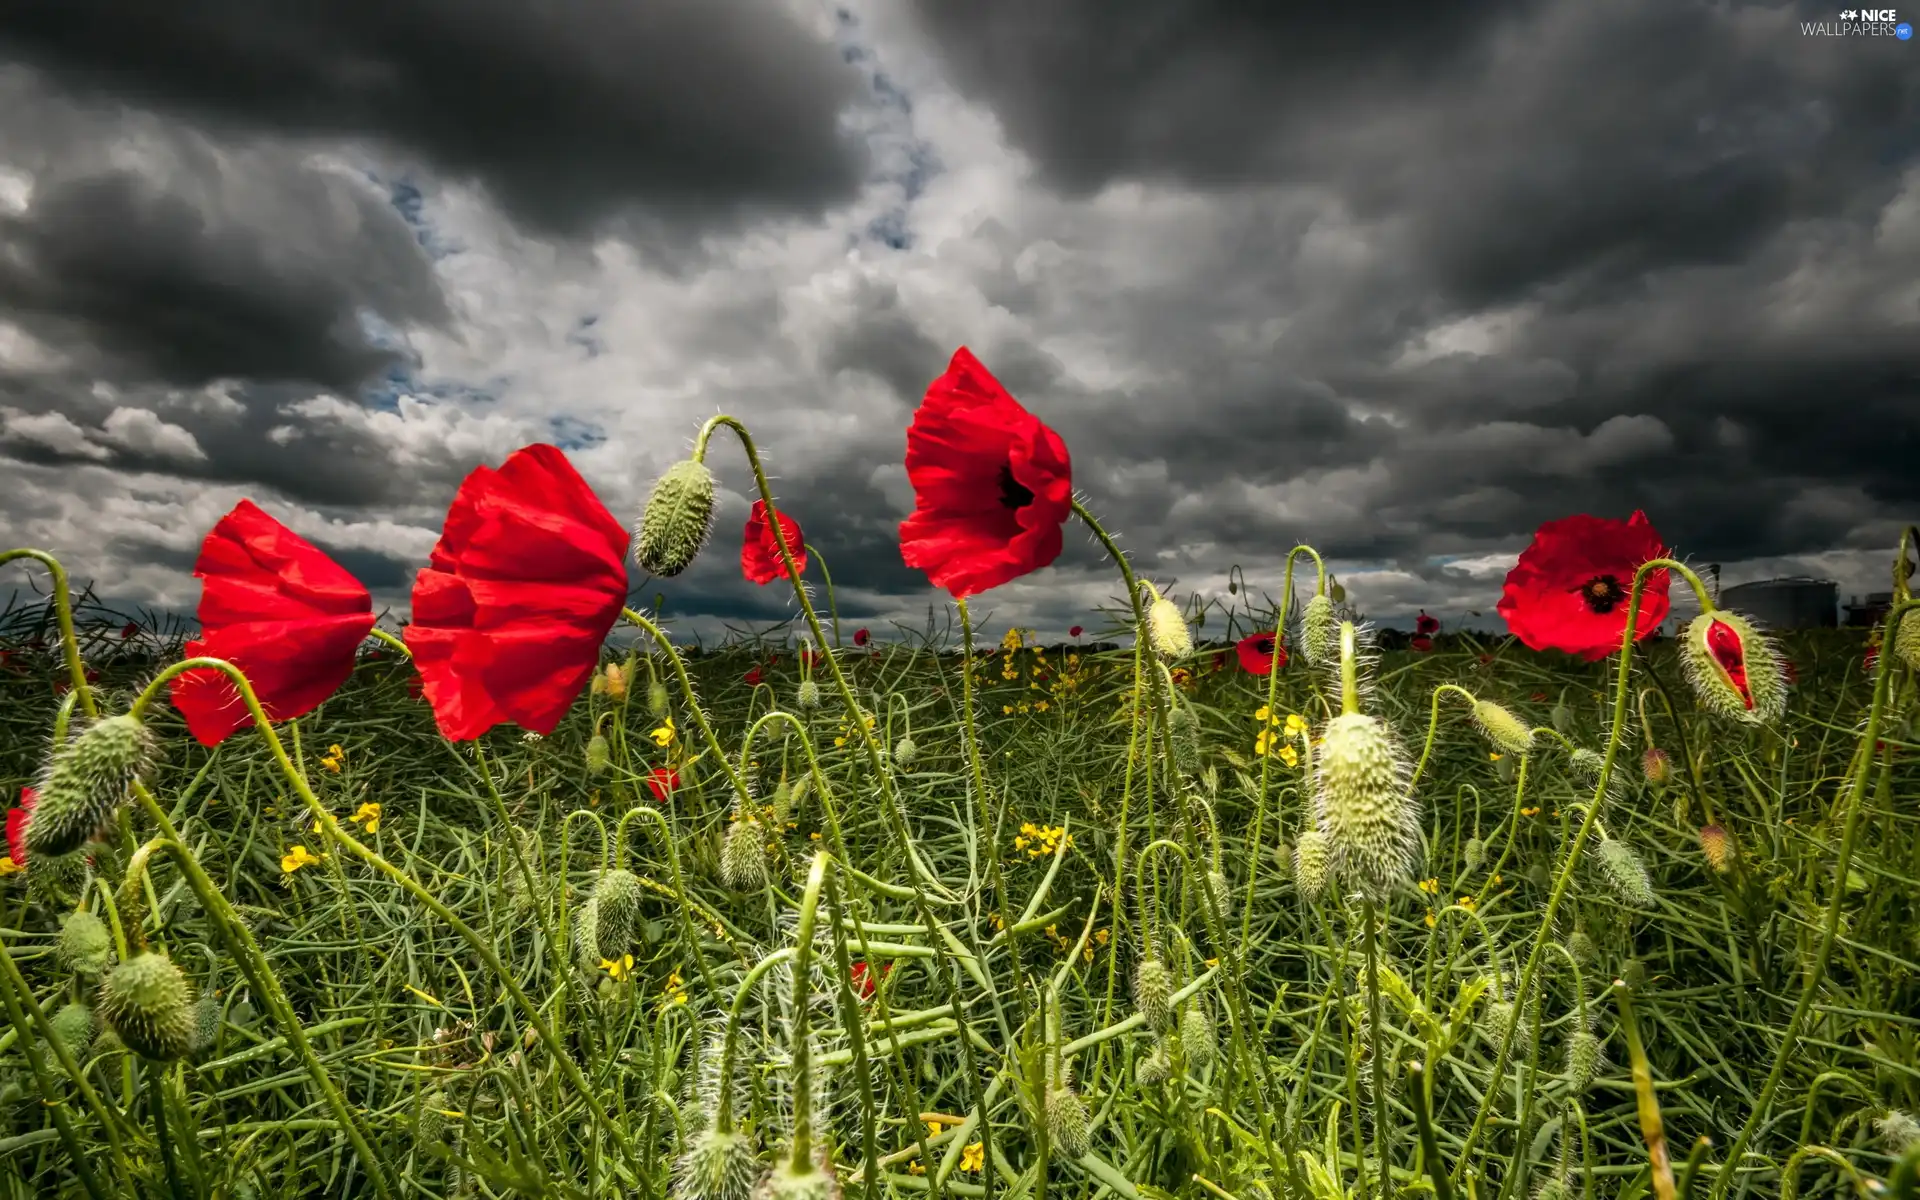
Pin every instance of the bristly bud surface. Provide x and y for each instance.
(1622, 870)
(1734, 669)
(597, 754)
(147, 1002)
(1312, 864)
(716, 1166)
(85, 946)
(677, 520)
(1167, 630)
(657, 701)
(1505, 730)
(743, 856)
(1585, 1058)
(809, 695)
(1068, 1127)
(905, 752)
(1319, 639)
(1657, 766)
(1361, 804)
(1716, 844)
(1153, 993)
(1196, 1036)
(616, 905)
(1156, 1067)
(85, 784)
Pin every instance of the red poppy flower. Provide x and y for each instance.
(128, 631)
(1257, 652)
(274, 605)
(753, 676)
(1421, 642)
(861, 637)
(812, 657)
(1074, 632)
(662, 781)
(760, 552)
(864, 981)
(991, 484)
(526, 580)
(1569, 591)
(17, 819)
(1426, 624)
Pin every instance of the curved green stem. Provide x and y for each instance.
(63, 612)
(833, 604)
(382, 635)
(1433, 725)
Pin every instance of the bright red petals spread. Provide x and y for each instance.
(1724, 644)
(760, 553)
(1569, 591)
(662, 781)
(277, 607)
(17, 819)
(991, 484)
(1257, 653)
(526, 580)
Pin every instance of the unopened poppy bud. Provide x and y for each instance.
(1586, 763)
(1585, 1057)
(614, 681)
(85, 784)
(657, 700)
(808, 695)
(1474, 853)
(73, 1025)
(1625, 874)
(1899, 1131)
(718, 1165)
(56, 879)
(677, 519)
(206, 1025)
(146, 1001)
(1153, 993)
(430, 1128)
(1580, 945)
(1361, 805)
(905, 752)
(1196, 1036)
(1502, 728)
(784, 1182)
(1222, 894)
(1337, 591)
(616, 902)
(1734, 670)
(743, 856)
(1067, 1125)
(1656, 766)
(1183, 731)
(1634, 974)
(1312, 864)
(1906, 640)
(1167, 629)
(1156, 1068)
(597, 754)
(1555, 1187)
(1562, 718)
(1716, 844)
(1317, 634)
(85, 945)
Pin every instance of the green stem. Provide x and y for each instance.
(801, 1161)
(833, 604)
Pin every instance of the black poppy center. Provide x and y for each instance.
(1012, 493)
(1264, 645)
(1602, 593)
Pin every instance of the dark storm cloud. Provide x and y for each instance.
(1679, 209)
(566, 109)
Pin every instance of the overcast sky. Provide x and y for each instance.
(1402, 280)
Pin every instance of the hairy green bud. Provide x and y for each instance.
(809, 695)
(816, 1182)
(1318, 640)
(677, 519)
(1586, 1057)
(657, 699)
(146, 1000)
(1734, 670)
(1501, 727)
(1581, 946)
(905, 752)
(1312, 864)
(1153, 993)
(1474, 853)
(1196, 1036)
(1586, 763)
(1183, 731)
(1222, 893)
(1634, 974)
(1625, 875)
(430, 1127)
(616, 902)
(743, 856)
(206, 1024)
(74, 1026)
(85, 945)
(1361, 805)
(716, 1166)
(1167, 630)
(1068, 1127)
(85, 783)
(1554, 1187)
(1156, 1067)
(598, 754)
(1906, 640)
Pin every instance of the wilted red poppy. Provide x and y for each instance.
(1569, 591)
(760, 553)
(526, 580)
(861, 637)
(1257, 652)
(1425, 624)
(274, 605)
(128, 631)
(17, 819)
(991, 484)
(1421, 642)
(863, 979)
(1074, 632)
(753, 676)
(662, 781)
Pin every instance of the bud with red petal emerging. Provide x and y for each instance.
(1656, 766)
(1734, 670)
(1717, 844)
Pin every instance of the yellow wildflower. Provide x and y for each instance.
(1466, 902)
(675, 990)
(1530, 812)
(617, 968)
(973, 1158)
(9, 867)
(1430, 886)
(1296, 723)
(934, 1127)
(1289, 756)
(368, 816)
(1431, 922)
(664, 735)
(298, 857)
(914, 1168)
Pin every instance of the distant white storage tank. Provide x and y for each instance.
(1799, 603)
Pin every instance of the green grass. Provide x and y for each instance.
(457, 1094)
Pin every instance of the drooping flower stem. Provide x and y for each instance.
(1830, 929)
(1564, 880)
(1433, 726)
(730, 1040)
(63, 613)
(833, 604)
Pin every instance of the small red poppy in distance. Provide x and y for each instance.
(861, 637)
(274, 605)
(1257, 653)
(1421, 643)
(1424, 624)
(1074, 632)
(662, 781)
(760, 553)
(991, 484)
(863, 978)
(526, 580)
(17, 819)
(752, 677)
(129, 631)
(1569, 591)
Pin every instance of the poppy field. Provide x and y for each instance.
(535, 896)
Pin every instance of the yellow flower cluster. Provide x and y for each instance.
(1275, 734)
(617, 969)
(675, 991)
(335, 759)
(368, 816)
(297, 857)
(846, 730)
(1040, 841)
(664, 735)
